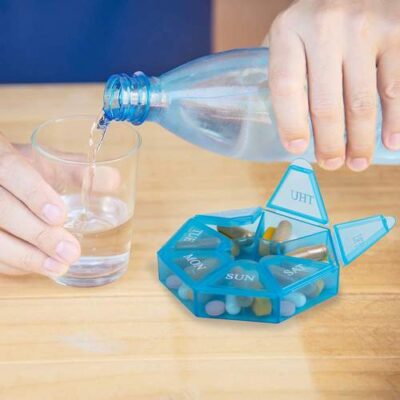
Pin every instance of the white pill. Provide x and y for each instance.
(288, 308)
(173, 282)
(231, 305)
(185, 293)
(299, 299)
(215, 308)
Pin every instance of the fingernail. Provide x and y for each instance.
(297, 145)
(358, 164)
(332, 163)
(52, 214)
(394, 141)
(68, 251)
(54, 267)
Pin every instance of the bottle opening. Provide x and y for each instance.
(127, 98)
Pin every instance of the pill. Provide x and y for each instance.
(185, 293)
(173, 282)
(283, 231)
(317, 252)
(261, 306)
(235, 249)
(269, 233)
(215, 308)
(245, 301)
(264, 247)
(205, 243)
(231, 305)
(314, 289)
(242, 236)
(299, 299)
(288, 308)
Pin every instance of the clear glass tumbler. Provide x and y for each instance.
(100, 218)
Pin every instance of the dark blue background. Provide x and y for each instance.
(88, 40)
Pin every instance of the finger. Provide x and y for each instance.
(17, 220)
(360, 106)
(266, 41)
(19, 257)
(287, 79)
(7, 270)
(389, 91)
(324, 64)
(25, 183)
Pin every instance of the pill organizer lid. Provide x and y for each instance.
(353, 238)
(230, 218)
(298, 194)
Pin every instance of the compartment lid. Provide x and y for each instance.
(355, 237)
(298, 194)
(243, 216)
(290, 272)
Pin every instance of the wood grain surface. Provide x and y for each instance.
(132, 340)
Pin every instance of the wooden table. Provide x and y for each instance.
(133, 340)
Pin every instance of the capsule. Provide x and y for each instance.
(283, 231)
(231, 305)
(240, 235)
(316, 253)
(261, 306)
(313, 289)
(279, 234)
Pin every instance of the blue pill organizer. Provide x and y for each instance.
(265, 264)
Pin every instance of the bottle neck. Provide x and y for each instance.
(128, 98)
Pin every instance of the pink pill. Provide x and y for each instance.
(288, 308)
(173, 282)
(215, 308)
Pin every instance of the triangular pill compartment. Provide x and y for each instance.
(298, 194)
(198, 265)
(242, 278)
(289, 271)
(196, 236)
(356, 237)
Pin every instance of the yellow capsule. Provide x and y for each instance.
(261, 306)
(264, 245)
(269, 233)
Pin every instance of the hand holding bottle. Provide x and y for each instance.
(343, 51)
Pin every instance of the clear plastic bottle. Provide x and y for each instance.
(220, 102)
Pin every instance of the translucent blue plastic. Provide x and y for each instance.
(219, 102)
(265, 264)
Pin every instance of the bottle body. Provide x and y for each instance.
(219, 102)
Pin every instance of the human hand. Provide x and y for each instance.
(343, 50)
(31, 217)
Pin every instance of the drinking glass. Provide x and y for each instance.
(99, 215)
